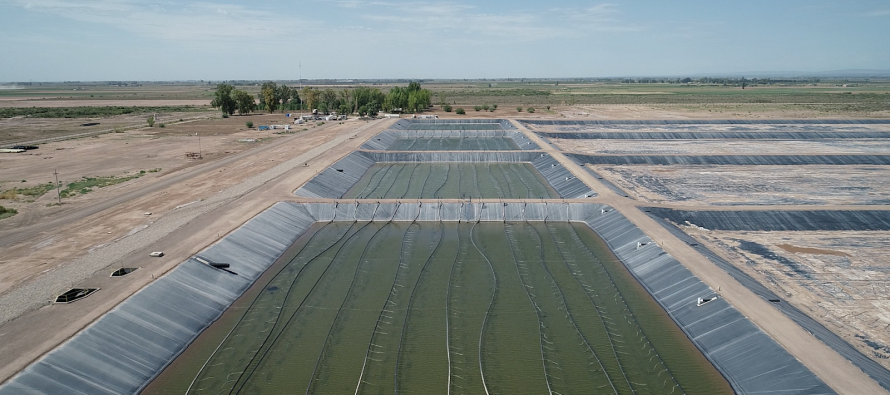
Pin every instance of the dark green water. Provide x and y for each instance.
(451, 181)
(433, 307)
(454, 144)
(456, 126)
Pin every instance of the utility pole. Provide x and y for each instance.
(301, 88)
(200, 155)
(58, 189)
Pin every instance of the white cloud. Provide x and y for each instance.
(200, 21)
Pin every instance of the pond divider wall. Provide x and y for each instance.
(709, 122)
(719, 135)
(781, 221)
(386, 138)
(126, 348)
(405, 124)
(337, 179)
(732, 160)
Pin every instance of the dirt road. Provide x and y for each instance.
(827, 364)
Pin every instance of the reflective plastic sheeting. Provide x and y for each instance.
(126, 348)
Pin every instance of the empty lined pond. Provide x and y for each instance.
(439, 307)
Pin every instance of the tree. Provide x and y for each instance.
(531, 110)
(477, 108)
(223, 99)
(269, 96)
(362, 111)
(323, 107)
(249, 124)
(244, 102)
(284, 94)
(344, 110)
(518, 109)
(447, 108)
(310, 97)
(460, 111)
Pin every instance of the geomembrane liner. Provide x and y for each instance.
(126, 348)
(779, 221)
(735, 160)
(336, 180)
(449, 140)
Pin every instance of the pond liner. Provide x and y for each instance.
(779, 220)
(407, 123)
(718, 135)
(873, 369)
(385, 139)
(732, 160)
(709, 122)
(126, 348)
(333, 183)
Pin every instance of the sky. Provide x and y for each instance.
(92, 40)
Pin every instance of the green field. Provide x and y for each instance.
(464, 308)
(451, 181)
(454, 144)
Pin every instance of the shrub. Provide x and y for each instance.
(249, 124)
(151, 122)
(494, 106)
(477, 108)
(531, 109)
(548, 108)
(7, 212)
(447, 108)
(518, 109)
(460, 111)
(485, 107)
(161, 125)
(224, 115)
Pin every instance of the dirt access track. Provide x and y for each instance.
(191, 208)
(194, 205)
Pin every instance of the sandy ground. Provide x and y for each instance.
(752, 185)
(835, 370)
(841, 279)
(186, 217)
(194, 204)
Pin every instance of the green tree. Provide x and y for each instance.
(447, 107)
(344, 110)
(223, 99)
(244, 102)
(249, 124)
(362, 111)
(460, 111)
(518, 109)
(477, 108)
(323, 107)
(269, 96)
(531, 110)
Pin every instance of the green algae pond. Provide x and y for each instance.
(454, 144)
(435, 180)
(444, 307)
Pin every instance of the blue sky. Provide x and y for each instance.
(53, 40)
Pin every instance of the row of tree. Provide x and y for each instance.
(362, 100)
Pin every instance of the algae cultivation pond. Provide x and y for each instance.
(451, 180)
(444, 307)
(454, 144)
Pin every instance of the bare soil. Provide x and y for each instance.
(841, 279)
